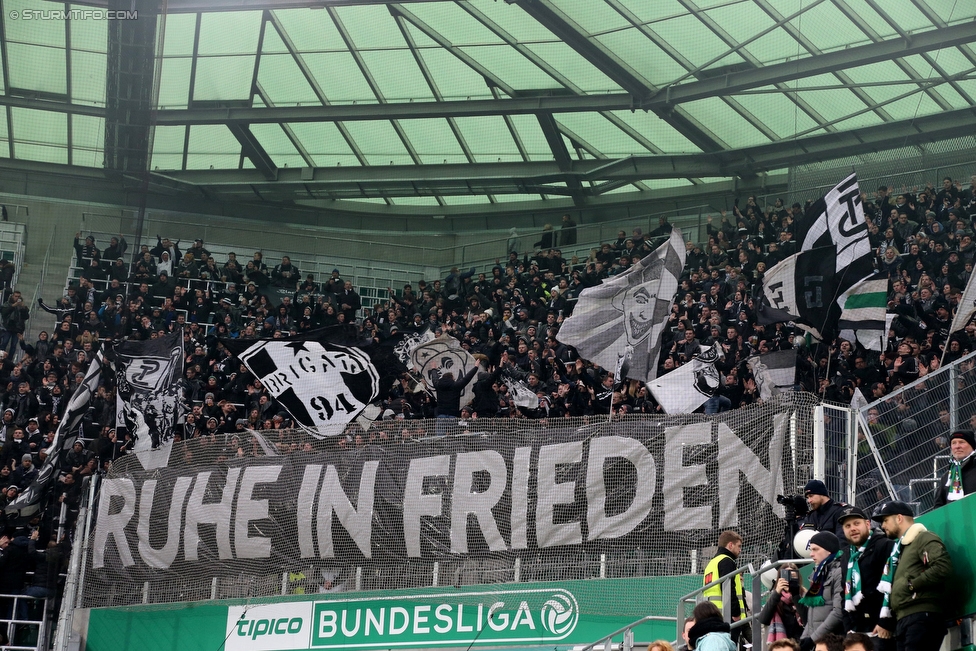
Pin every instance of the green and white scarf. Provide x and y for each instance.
(852, 583)
(888, 578)
(814, 596)
(954, 489)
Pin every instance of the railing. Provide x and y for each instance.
(906, 435)
(19, 627)
(627, 643)
(45, 265)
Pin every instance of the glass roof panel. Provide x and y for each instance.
(379, 143)
(778, 113)
(309, 30)
(464, 199)
(178, 37)
(599, 132)
(574, 67)
(229, 32)
(88, 77)
(416, 201)
(223, 78)
(910, 18)
(4, 145)
(834, 104)
(397, 75)
(455, 24)
(274, 140)
(530, 133)
(514, 20)
(87, 140)
(694, 41)
(725, 123)
(339, 77)
(433, 141)
(36, 32)
(662, 134)
(512, 198)
(776, 47)
(828, 28)
(950, 59)
(174, 83)
(511, 67)
(91, 35)
(643, 56)
(37, 67)
(325, 144)
(168, 148)
(454, 79)
(874, 19)
(283, 81)
(489, 139)
(371, 27)
(741, 20)
(650, 12)
(951, 11)
(212, 145)
(593, 16)
(40, 135)
(912, 106)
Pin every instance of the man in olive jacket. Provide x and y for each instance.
(918, 570)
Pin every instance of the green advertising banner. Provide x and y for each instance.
(955, 523)
(558, 615)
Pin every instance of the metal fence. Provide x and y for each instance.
(904, 436)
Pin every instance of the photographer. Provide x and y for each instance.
(783, 614)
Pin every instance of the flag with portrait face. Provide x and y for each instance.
(627, 315)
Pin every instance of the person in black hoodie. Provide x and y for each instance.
(449, 393)
(863, 560)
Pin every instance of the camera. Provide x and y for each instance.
(794, 505)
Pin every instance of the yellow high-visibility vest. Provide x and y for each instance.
(714, 593)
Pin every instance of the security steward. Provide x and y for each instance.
(723, 563)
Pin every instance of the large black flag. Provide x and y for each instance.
(323, 384)
(29, 502)
(802, 288)
(150, 404)
(837, 220)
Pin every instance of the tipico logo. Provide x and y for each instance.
(560, 614)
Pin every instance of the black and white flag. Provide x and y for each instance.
(444, 354)
(687, 387)
(410, 340)
(324, 386)
(149, 405)
(522, 395)
(802, 289)
(29, 502)
(774, 372)
(626, 315)
(837, 220)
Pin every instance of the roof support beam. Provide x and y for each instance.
(561, 154)
(253, 150)
(515, 177)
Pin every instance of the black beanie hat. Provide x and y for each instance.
(966, 435)
(827, 540)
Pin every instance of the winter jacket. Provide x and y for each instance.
(872, 562)
(828, 618)
(925, 563)
(968, 482)
(825, 519)
(449, 393)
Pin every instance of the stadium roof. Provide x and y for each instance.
(467, 105)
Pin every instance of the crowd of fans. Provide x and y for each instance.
(508, 316)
